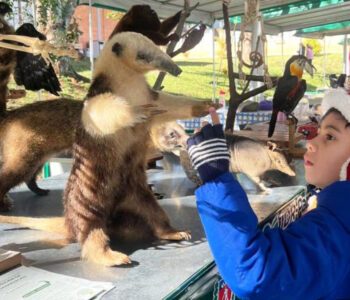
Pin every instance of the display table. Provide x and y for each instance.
(241, 118)
(158, 269)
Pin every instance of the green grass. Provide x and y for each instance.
(196, 80)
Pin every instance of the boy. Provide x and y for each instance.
(308, 260)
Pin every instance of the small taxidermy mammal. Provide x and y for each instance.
(143, 19)
(107, 193)
(249, 157)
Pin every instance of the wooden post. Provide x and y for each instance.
(157, 85)
(234, 96)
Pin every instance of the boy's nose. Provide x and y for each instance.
(311, 145)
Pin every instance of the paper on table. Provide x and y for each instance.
(37, 284)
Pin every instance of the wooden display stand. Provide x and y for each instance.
(16, 94)
(283, 138)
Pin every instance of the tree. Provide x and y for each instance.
(315, 44)
(55, 20)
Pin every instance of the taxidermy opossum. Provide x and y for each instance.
(143, 19)
(249, 157)
(107, 193)
(254, 158)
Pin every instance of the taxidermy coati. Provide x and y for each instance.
(107, 193)
(143, 19)
(29, 136)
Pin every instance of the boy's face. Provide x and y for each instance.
(327, 152)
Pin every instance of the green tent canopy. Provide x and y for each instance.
(328, 29)
(279, 16)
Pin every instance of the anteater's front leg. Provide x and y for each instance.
(181, 107)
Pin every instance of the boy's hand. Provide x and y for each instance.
(208, 150)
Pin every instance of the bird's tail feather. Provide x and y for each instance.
(272, 124)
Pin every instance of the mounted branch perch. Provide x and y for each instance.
(36, 47)
(170, 49)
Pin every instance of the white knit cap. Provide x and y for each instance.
(340, 100)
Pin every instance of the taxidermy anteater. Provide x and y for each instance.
(107, 192)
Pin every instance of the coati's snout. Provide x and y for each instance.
(140, 54)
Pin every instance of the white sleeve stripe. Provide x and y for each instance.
(199, 154)
(211, 158)
(210, 141)
(201, 147)
(196, 166)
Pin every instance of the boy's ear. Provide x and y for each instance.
(345, 171)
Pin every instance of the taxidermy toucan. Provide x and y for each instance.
(31, 70)
(192, 39)
(290, 88)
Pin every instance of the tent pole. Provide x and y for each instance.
(324, 60)
(346, 60)
(35, 25)
(214, 75)
(99, 29)
(256, 34)
(282, 50)
(91, 42)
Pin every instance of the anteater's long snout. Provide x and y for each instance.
(170, 67)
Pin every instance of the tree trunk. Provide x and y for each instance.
(65, 68)
(55, 30)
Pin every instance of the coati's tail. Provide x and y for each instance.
(272, 124)
(52, 225)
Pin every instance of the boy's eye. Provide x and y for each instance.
(330, 137)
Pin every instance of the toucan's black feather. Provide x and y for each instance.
(32, 71)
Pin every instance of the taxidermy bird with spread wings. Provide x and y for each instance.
(290, 88)
(31, 70)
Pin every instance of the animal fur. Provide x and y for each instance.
(169, 137)
(143, 19)
(249, 157)
(29, 136)
(254, 158)
(107, 192)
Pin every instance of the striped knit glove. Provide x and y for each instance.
(208, 152)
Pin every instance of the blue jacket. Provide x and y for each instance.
(308, 260)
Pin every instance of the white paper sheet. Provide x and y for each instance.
(31, 283)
